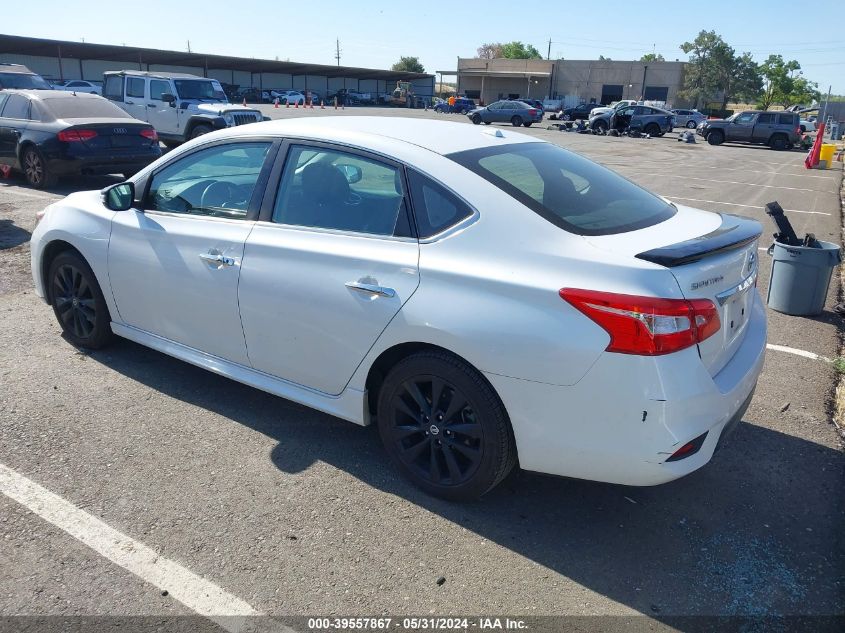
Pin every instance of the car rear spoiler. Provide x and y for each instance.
(735, 232)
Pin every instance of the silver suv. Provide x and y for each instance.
(179, 106)
(778, 130)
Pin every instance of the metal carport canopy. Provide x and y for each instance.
(135, 55)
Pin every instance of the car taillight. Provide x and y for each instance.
(647, 326)
(149, 133)
(532, 111)
(75, 136)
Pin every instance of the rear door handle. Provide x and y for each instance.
(218, 259)
(151, 105)
(374, 289)
(130, 103)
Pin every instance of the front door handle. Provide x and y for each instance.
(151, 105)
(374, 289)
(218, 259)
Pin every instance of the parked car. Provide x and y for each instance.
(613, 106)
(688, 118)
(78, 85)
(19, 77)
(806, 125)
(253, 95)
(648, 120)
(360, 97)
(47, 134)
(462, 106)
(514, 112)
(291, 97)
(778, 130)
(469, 350)
(579, 112)
(179, 106)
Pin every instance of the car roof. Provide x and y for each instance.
(441, 137)
(53, 94)
(156, 74)
(7, 67)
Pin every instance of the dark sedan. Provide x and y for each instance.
(49, 133)
(514, 112)
(580, 112)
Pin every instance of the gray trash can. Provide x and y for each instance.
(801, 276)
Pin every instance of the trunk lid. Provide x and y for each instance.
(117, 134)
(712, 257)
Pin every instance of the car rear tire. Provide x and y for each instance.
(444, 427)
(778, 142)
(78, 302)
(652, 129)
(35, 169)
(487, 123)
(599, 125)
(476, 119)
(516, 121)
(199, 130)
(691, 125)
(527, 124)
(715, 138)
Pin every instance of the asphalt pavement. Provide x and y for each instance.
(294, 512)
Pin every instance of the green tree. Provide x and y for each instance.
(652, 57)
(518, 50)
(409, 65)
(711, 60)
(602, 58)
(745, 82)
(784, 84)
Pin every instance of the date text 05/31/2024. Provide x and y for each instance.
(316, 625)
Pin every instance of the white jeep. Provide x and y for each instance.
(179, 106)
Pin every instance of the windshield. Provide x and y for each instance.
(83, 108)
(23, 81)
(566, 189)
(201, 89)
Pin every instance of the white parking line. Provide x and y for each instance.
(797, 352)
(735, 182)
(736, 204)
(195, 592)
(39, 196)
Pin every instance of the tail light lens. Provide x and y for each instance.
(532, 111)
(76, 136)
(149, 133)
(646, 326)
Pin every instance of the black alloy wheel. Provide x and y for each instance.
(444, 426)
(516, 121)
(78, 302)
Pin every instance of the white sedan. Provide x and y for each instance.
(78, 85)
(484, 297)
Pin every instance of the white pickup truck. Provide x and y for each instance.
(179, 106)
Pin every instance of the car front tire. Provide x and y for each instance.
(78, 302)
(200, 130)
(715, 138)
(444, 427)
(35, 169)
(476, 119)
(691, 125)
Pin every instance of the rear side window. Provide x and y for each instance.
(17, 107)
(134, 87)
(566, 189)
(435, 208)
(113, 88)
(787, 119)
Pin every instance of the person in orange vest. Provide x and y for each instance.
(451, 102)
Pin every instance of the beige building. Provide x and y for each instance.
(572, 81)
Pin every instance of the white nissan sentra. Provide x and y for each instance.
(484, 297)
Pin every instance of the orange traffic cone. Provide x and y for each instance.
(276, 103)
(296, 105)
(322, 105)
(287, 104)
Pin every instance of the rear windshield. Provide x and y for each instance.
(23, 81)
(566, 189)
(83, 108)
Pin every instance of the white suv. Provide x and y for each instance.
(179, 106)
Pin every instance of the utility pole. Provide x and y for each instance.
(337, 53)
(189, 46)
(549, 52)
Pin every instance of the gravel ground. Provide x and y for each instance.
(298, 513)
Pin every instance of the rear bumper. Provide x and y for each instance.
(99, 164)
(621, 422)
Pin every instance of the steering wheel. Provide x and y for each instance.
(217, 194)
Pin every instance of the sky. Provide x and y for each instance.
(375, 34)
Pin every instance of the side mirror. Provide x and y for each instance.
(119, 197)
(353, 173)
(168, 98)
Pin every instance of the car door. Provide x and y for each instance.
(14, 118)
(741, 128)
(174, 261)
(765, 124)
(136, 95)
(329, 264)
(161, 114)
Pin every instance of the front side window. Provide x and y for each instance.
(745, 118)
(199, 89)
(218, 181)
(135, 87)
(158, 88)
(332, 189)
(566, 189)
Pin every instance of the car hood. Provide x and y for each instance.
(219, 108)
